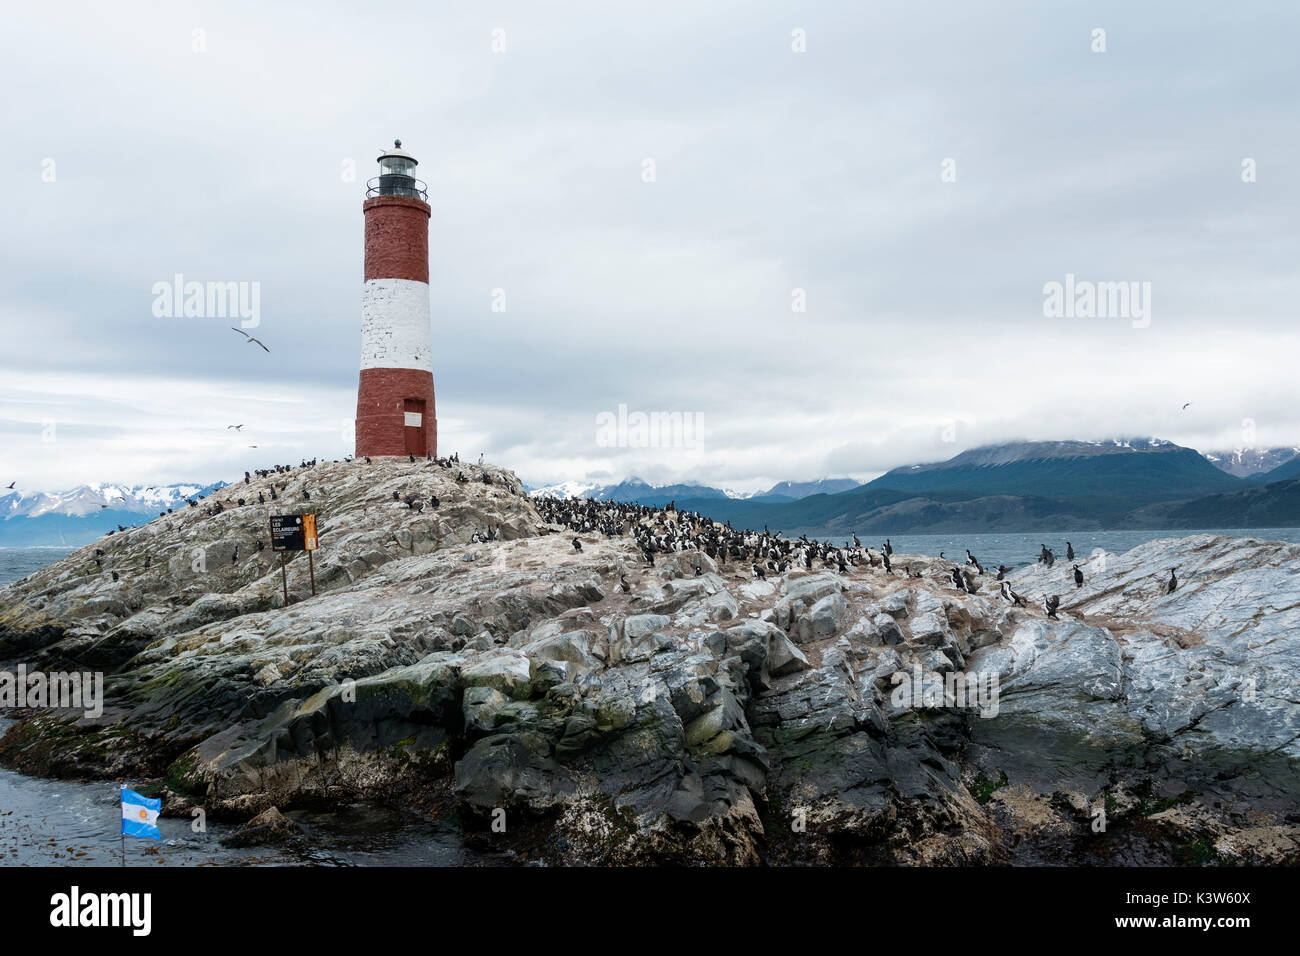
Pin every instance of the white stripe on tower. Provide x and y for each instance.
(395, 325)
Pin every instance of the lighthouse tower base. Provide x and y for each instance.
(395, 413)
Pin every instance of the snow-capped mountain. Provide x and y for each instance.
(567, 489)
(1245, 462)
(795, 490)
(634, 489)
(89, 499)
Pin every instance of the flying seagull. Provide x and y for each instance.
(235, 427)
(248, 338)
(11, 485)
(1185, 406)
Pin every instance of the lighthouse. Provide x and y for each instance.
(395, 410)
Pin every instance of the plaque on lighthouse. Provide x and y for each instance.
(395, 402)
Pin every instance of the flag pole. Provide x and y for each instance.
(121, 833)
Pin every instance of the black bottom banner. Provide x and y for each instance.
(296, 905)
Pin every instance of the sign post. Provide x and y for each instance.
(294, 533)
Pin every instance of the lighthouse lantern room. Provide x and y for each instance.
(397, 175)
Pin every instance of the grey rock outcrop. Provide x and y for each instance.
(698, 715)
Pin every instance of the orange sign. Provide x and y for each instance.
(309, 532)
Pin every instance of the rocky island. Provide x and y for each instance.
(464, 658)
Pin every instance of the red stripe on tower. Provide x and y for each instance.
(395, 409)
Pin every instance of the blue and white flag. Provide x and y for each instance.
(140, 815)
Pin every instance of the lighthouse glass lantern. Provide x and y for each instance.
(397, 175)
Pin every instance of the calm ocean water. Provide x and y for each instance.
(17, 563)
(1016, 550)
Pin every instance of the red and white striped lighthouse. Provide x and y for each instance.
(395, 411)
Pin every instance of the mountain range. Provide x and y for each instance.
(634, 489)
(1138, 483)
(79, 516)
(1254, 463)
(1283, 472)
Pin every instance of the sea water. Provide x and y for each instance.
(1021, 548)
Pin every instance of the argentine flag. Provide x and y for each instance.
(140, 815)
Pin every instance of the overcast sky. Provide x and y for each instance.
(130, 156)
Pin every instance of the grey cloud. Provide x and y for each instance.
(775, 170)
